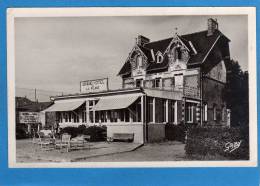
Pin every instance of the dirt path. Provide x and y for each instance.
(166, 151)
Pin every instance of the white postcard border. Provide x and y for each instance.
(12, 13)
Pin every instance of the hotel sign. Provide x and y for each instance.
(29, 117)
(95, 85)
(191, 86)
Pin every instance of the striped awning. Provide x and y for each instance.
(65, 106)
(115, 102)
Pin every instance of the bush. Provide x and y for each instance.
(175, 132)
(21, 133)
(73, 131)
(96, 133)
(203, 141)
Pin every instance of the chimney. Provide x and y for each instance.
(141, 40)
(212, 26)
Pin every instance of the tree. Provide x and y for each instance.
(236, 94)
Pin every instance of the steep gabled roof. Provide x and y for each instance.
(147, 53)
(202, 43)
(160, 45)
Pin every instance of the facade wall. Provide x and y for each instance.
(213, 96)
(137, 129)
(156, 132)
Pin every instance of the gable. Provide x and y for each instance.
(218, 72)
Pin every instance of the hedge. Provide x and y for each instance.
(175, 132)
(217, 141)
(97, 133)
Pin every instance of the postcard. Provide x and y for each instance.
(132, 87)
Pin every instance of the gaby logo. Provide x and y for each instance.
(230, 147)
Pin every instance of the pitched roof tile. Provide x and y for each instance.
(200, 41)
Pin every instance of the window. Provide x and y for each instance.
(60, 117)
(214, 112)
(66, 117)
(105, 116)
(102, 116)
(75, 118)
(223, 113)
(159, 57)
(205, 109)
(168, 83)
(189, 112)
(150, 109)
(178, 53)
(69, 116)
(91, 118)
(139, 82)
(171, 111)
(126, 115)
(138, 110)
(108, 113)
(121, 115)
(113, 116)
(96, 116)
(84, 116)
(164, 110)
(157, 82)
(178, 81)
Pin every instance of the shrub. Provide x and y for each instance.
(96, 133)
(73, 131)
(175, 132)
(214, 141)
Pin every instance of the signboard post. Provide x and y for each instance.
(95, 85)
(29, 117)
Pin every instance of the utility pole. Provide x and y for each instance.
(35, 98)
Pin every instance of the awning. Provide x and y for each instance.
(172, 95)
(115, 102)
(64, 106)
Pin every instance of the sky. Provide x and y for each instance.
(52, 55)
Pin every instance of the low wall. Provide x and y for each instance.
(156, 132)
(137, 129)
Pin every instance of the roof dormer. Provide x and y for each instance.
(159, 57)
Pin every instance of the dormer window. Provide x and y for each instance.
(178, 53)
(139, 61)
(159, 57)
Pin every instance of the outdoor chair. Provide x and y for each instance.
(46, 142)
(78, 142)
(64, 143)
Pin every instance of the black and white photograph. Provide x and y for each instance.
(123, 87)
